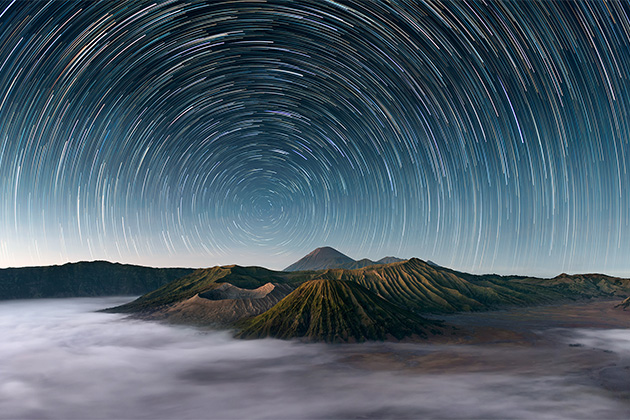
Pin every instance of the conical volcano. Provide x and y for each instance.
(322, 258)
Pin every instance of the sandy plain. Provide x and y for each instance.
(584, 342)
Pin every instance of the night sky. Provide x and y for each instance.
(487, 137)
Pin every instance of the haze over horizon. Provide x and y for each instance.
(485, 137)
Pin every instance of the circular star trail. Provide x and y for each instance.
(486, 136)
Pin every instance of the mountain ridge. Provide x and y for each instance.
(206, 279)
(221, 307)
(328, 257)
(413, 286)
(84, 279)
(337, 311)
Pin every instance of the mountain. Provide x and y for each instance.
(433, 264)
(352, 305)
(388, 260)
(321, 258)
(222, 306)
(202, 281)
(421, 287)
(96, 278)
(337, 311)
(585, 285)
(327, 257)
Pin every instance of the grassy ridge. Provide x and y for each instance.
(372, 303)
(336, 311)
(207, 279)
(583, 285)
(414, 285)
(421, 287)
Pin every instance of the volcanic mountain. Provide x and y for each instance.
(337, 311)
(421, 287)
(223, 306)
(352, 305)
(327, 257)
(203, 281)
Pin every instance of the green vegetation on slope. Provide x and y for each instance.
(336, 311)
(414, 285)
(420, 287)
(83, 279)
(207, 279)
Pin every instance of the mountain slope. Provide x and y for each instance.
(321, 258)
(388, 260)
(207, 279)
(82, 279)
(220, 296)
(420, 287)
(336, 311)
(583, 285)
(414, 285)
(327, 257)
(222, 306)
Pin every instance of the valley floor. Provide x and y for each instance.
(588, 341)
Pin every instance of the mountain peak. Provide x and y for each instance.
(320, 259)
(326, 252)
(389, 260)
(327, 257)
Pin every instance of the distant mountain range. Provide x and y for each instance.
(348, 305)
(327, 257)
(96, 278)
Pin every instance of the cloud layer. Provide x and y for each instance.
(61, 360)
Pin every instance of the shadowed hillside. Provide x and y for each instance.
(82, 279)
(624, 304)
(337, 311)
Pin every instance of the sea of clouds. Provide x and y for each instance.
(61, 360)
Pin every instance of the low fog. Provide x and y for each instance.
(60, 359)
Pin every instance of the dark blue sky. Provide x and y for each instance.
(488, 137)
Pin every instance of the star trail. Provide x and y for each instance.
(485, 136)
